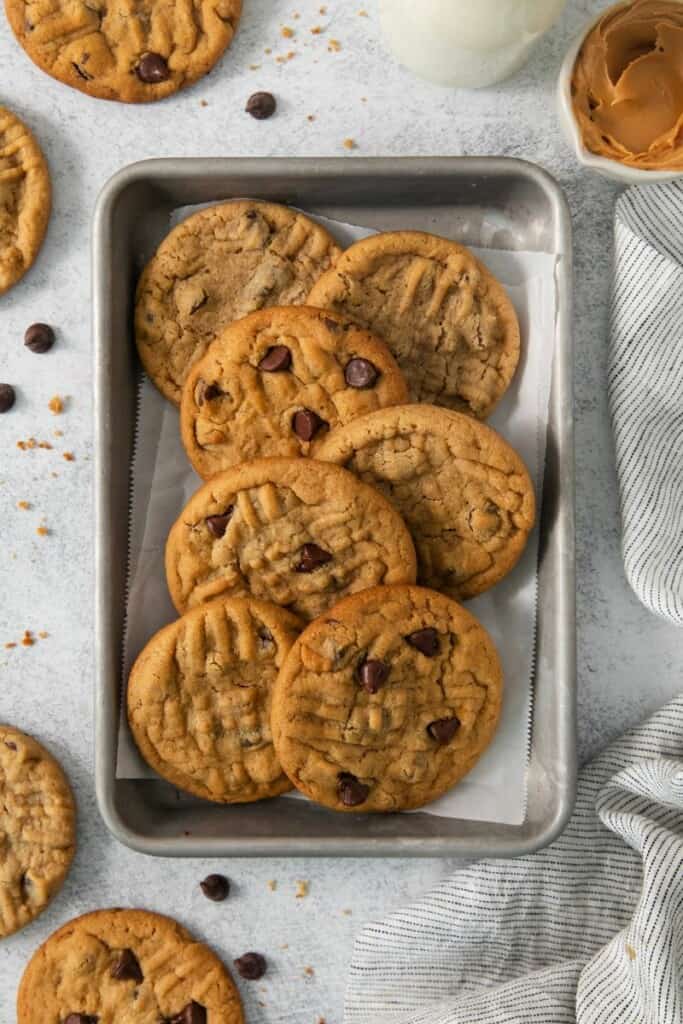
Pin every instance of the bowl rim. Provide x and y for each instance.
(604, 165)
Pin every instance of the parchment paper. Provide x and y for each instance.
(163, 481)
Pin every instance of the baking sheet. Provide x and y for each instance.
(162, 482)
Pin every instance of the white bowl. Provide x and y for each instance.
(603, 165)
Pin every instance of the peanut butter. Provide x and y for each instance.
(627, 85)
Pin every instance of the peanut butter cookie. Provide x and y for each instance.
(24, 199)
(37, 829)
(199, 699)
(215, 267)
(463, 491)
(386, 701)
(296, 532)
(131, 966)
(119, 51)
(277, 381)
(447, 320)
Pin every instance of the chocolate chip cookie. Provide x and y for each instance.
(126, 965)
(463, 491)
(119, 51)
(277, 381)
(447, 320)
(296, 532)
(199, 699)
(215, 267)
(37, 829)
(25, 195)
(386, 700)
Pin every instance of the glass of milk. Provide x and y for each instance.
(468, 43)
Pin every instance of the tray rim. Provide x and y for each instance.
(106, 681)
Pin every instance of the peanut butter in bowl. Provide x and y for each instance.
(627, 86)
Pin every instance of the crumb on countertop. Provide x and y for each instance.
(42, 531)
(309, 972)
(58, 433)
(302, 887)
(349, 143)
(272, 884)
(285, 945)
(43, 635)
(45, 444)
(333, 46)
(316, 30)
(630, 952)
(254, 67)
(56, 405)
(322, 10)
(24, 504)
(69, 456)
(362, 13)
(310, 117)
(286, 32)
(203, 103)
(28, 639)
(9, 645)
(347, 912)
(268, 50)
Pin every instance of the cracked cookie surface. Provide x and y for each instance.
(386, 701)
(131, 966)
(37, 829)
(277, 381)
(215, 267)
(447, 320)
(296, 532)
(199, 699)
(24, 199)
(463, 491)
(115, 50)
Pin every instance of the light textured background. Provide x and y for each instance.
(628, 661)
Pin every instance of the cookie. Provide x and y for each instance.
(118, 51)
(386, 701)
(277, 381)
(25, 197)
(199, 699)
(215, 267)
(296, 532)
(126, 965)
(447, 320)
(37, 829)
(464, 493)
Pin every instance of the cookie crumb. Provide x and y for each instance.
(364, 99)
(321, 1020)
(54, 474)
(334, 46)
(43, 635)
(254, 67)
(630, 952)
(272, 884)
(9, 645)
(69, 456)
(285, 945)
(310, 117)
(286, 32)
(24, 504)
(362, 13)
(349, 143)
(203, 103)
(322, 10)
(56, 405)
(309, 972)
(268, 50)
(302, 887)
(45, 444)
(316, 30)
(27, 639)
(42, 531)
(60, 433)
(347, 912)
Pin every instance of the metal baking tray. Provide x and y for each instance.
(443, 194)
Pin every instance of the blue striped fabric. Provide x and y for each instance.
(589, 930)
(645, 385)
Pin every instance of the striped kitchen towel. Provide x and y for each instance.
(589, 930)
(645, 386)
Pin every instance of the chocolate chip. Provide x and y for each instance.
(209, 392)
(372, 674)
(193, 1013)
(127, 967)
(311, 557)
(152, 68)
(425, 640)
(39, 338)
(306, 424)
(351, 791)
(10, 744)
(360, 373)
(443, 729)
(251, 966)
(7, 397)
(81, 1018)
(276, 359)
(215, 887)
(261, 105)
(217, 525)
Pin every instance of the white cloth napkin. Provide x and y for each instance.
(588, 931)
(646, 391)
